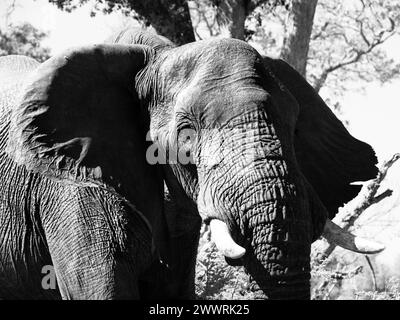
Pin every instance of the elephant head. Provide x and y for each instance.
(244, 140)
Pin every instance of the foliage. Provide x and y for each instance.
(346, 43)
(215, 279)
(327, 282)
(327, 277)
(23, 39)
(210, 17)
(168, 18)
(171, 18)
(391, 292)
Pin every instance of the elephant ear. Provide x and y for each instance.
(78, 118)
(328, 155)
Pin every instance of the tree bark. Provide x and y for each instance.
(297, 39)
(232, 14)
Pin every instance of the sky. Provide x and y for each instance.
(65, 29)
(374, 115)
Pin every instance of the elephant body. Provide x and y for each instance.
(46, 222)
(253, 144)
(22, 260)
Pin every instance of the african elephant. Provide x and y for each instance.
(102, 233)
(89, 137)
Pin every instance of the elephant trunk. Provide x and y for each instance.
(277, 227)
(257, 190)
(273, 224)
(279, 269)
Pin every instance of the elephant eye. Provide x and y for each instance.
(186, 140)
(184, 126)
(186, 136)
(184, 120)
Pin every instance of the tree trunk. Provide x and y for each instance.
(169, 18)
(232, 14)
(297, 39)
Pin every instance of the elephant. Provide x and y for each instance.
(113, 154)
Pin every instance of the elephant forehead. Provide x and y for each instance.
(213, 80)
(220, 94)
(216, 107)
(225, 71)
(210, 62)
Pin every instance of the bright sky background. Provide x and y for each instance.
(374, 116)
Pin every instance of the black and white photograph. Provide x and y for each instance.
(199, 155)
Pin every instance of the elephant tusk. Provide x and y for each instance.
(336, 235)
(225, 244)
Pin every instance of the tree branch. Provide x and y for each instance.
(347, 219)
(372, 33)
(358, 54)
(322, 30)
(10, 10)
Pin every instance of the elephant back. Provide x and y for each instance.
(14, 67)
(13, 72)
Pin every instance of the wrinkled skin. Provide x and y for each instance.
(91, 205)
(98, 242)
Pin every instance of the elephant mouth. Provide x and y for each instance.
(224, 242)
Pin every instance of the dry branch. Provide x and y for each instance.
(348, 219)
